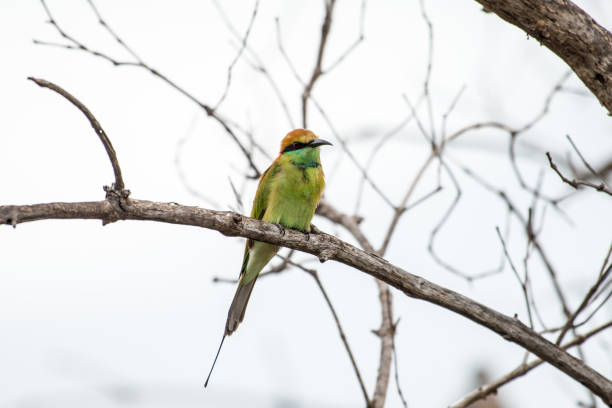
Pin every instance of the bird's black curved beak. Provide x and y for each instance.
(319, 142)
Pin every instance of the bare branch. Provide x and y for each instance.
(79, 46)
(178, 151)
(119, 185)
(486, 390)
(243, 45)
(284, 54)
(569, 32)
(318, 70)
(257, 64)
(355, 44)
(315, 276)
(119, 40)
(587, 298)
(516, 133)
(325, 247)
(397, 381)
(585, 162)
(386, 137)
(518, 278)
(426, 82)
(400, 210)
(386, 332)
(577, 183)
(273, 270)
(350, 154)
(512, 207)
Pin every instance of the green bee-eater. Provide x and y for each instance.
(288, 194)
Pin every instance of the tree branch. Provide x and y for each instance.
(577, 183)
(486, 390)
(325, 247)
(119, 186)
(79, 46)
(318, 70)
(569, 32)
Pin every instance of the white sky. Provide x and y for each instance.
(128, 312)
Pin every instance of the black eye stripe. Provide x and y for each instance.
(294, 146)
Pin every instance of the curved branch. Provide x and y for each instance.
(325, 247)
(569, 32)
(112, 155)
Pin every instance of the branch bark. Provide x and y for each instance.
(569, 32)
(325, 247)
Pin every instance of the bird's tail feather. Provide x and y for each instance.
(238, 307)
(235, 315)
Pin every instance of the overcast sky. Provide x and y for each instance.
(129, 312)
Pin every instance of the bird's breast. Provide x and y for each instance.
(295, 197)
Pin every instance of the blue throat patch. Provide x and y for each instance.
(304, 166)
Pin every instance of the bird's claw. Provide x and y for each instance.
(281, 229)
(313, 230)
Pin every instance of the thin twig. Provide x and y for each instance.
(396, 375)
(257, 64)
(119, 40)
(577, 183)
(79, 46)
(523, 283)
(315, 276)
(243, 45)
(178, 153)
(587, 298)
(399, 210)
(318, 70)
(355, 44)
(513, 208)
(350, 154)
(586, 163)
(386, 137)
(426, 82)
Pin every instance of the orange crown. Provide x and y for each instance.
(297, 135)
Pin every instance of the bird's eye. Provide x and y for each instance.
(293, 146)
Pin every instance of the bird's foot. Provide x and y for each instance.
(281, 229)
(313, 230)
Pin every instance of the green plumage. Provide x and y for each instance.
(288, 194)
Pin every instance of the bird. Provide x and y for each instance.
(287, 195)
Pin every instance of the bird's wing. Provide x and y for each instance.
(260, 203)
